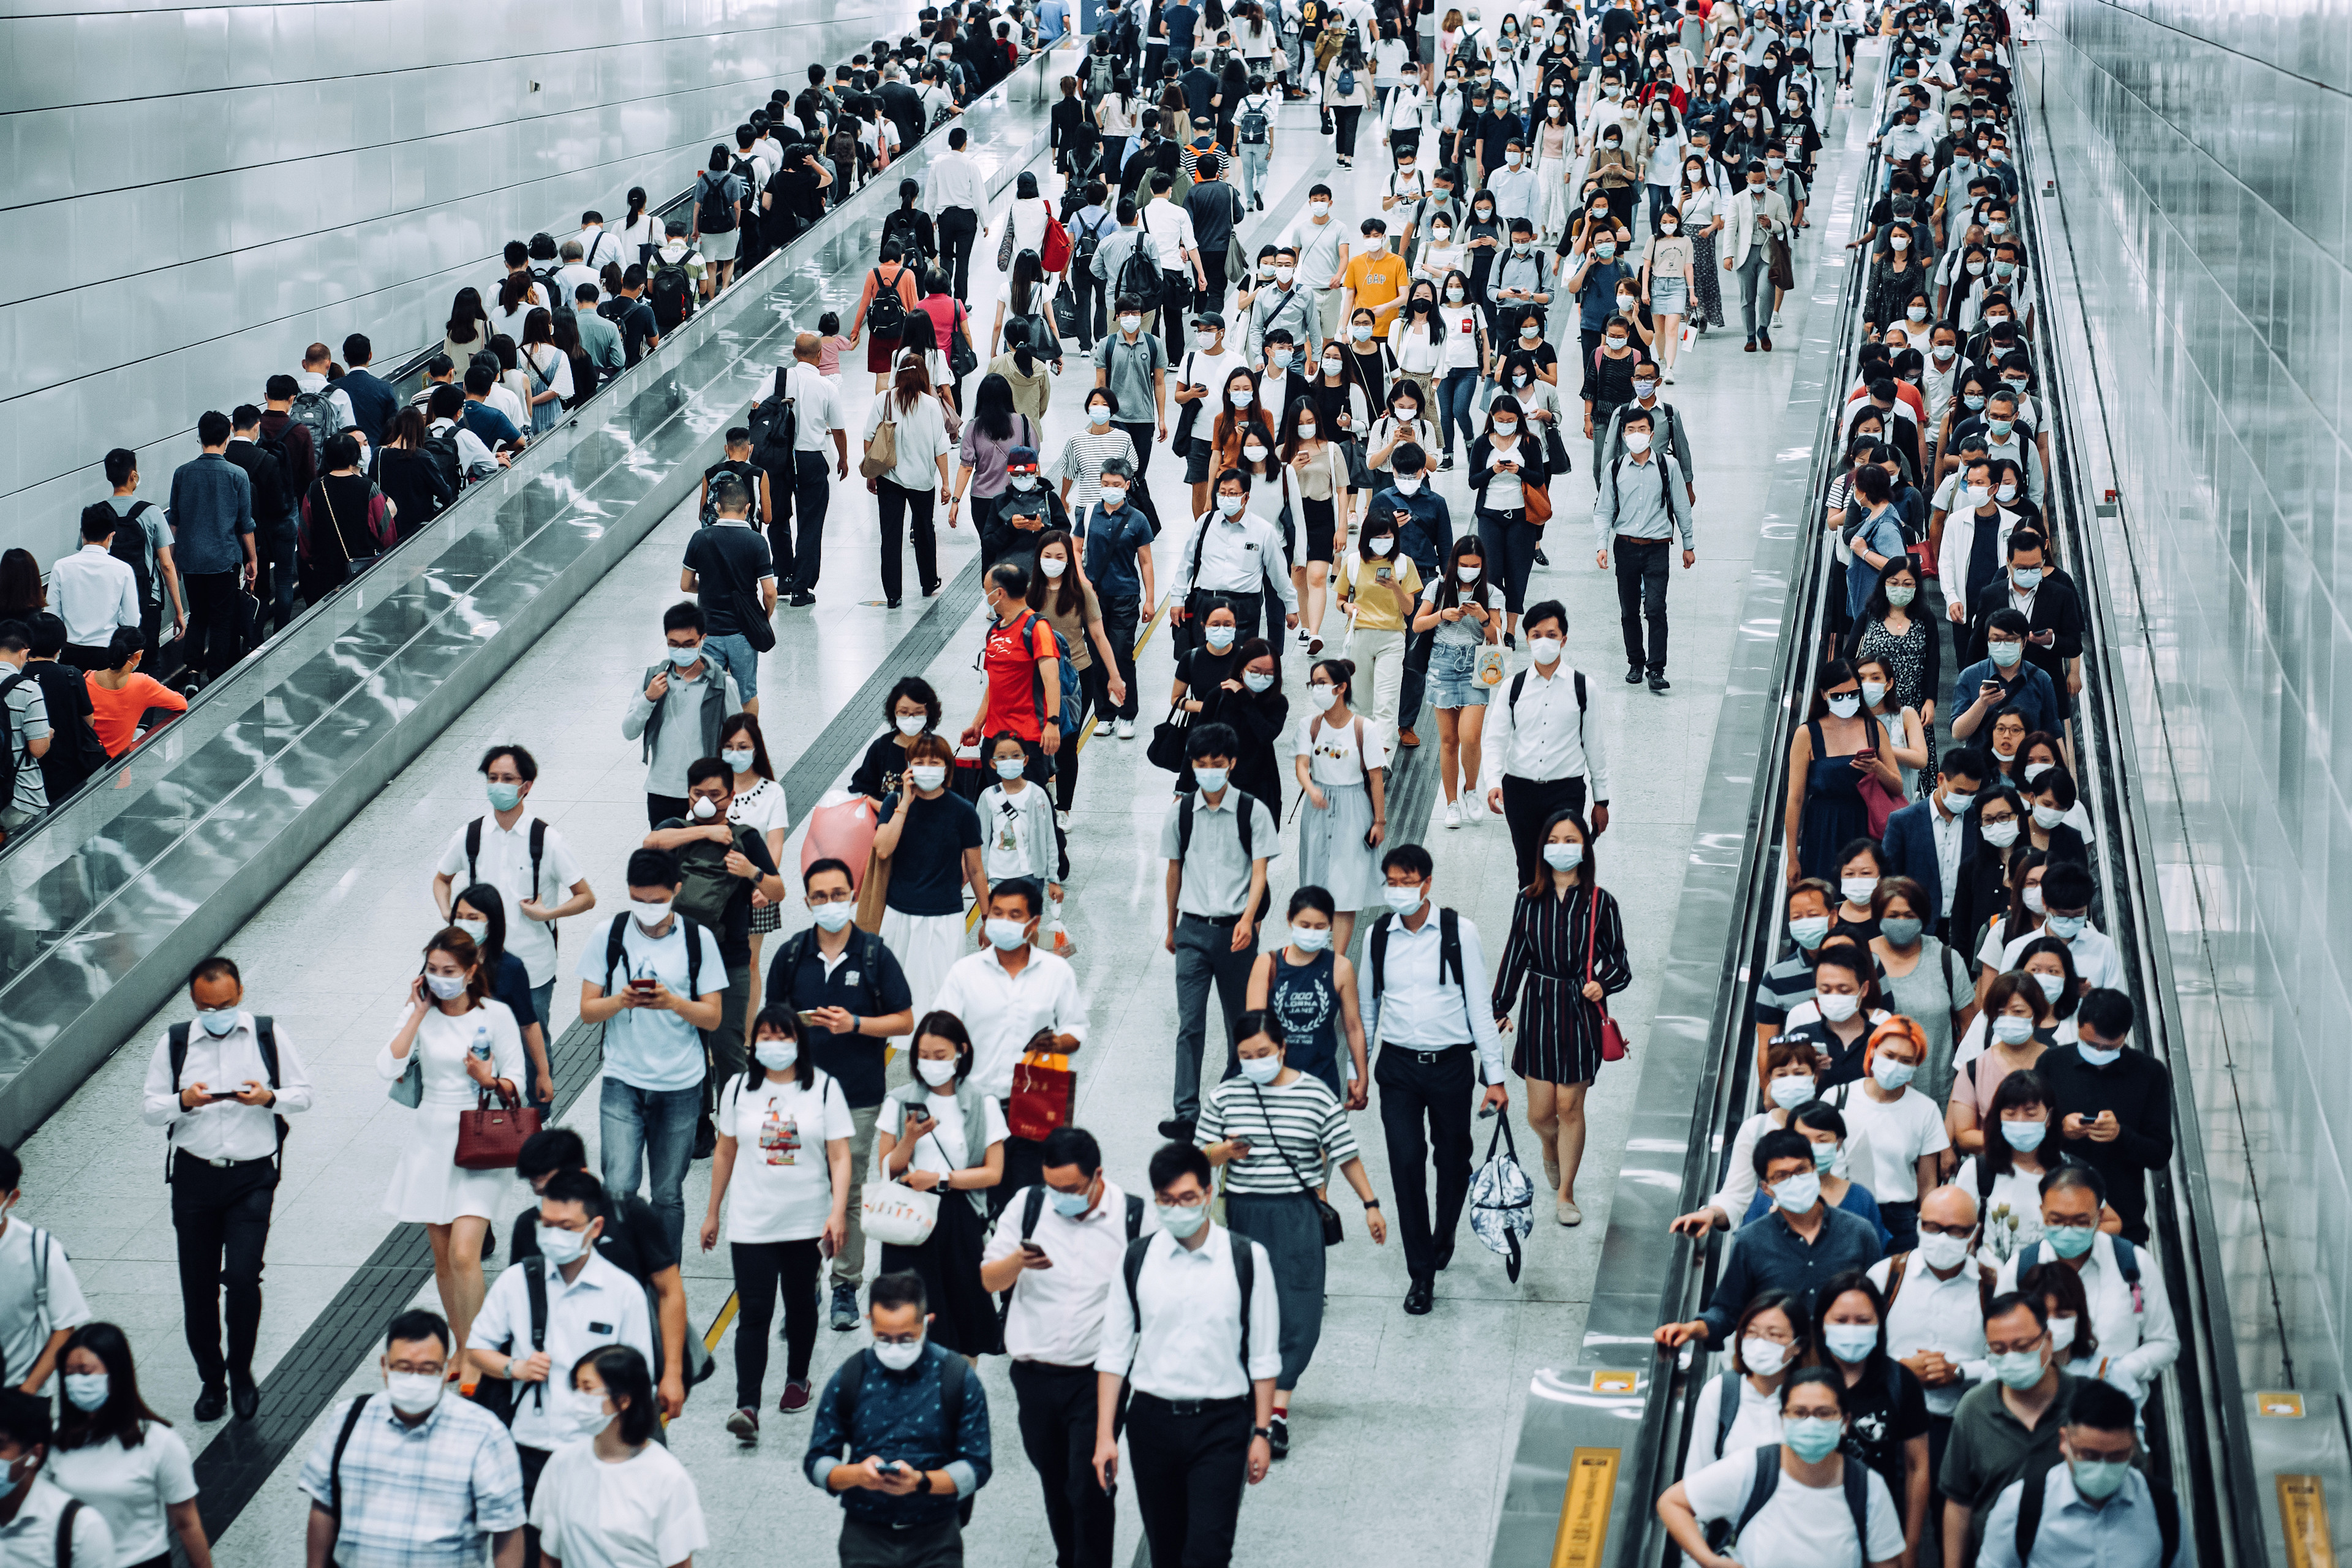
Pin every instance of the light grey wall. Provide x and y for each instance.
(197, 194)
(2201, 157)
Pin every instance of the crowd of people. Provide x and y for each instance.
(1936, 1317)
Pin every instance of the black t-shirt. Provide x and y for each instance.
(634, 321)
(797, 191)
(927, 871)
(635, 1241)
(866, 982)
(727, 558)
(734, 932)
(1617, 25)
(1884, 1409)
(878, 771)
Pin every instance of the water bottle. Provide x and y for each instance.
(481, 1047)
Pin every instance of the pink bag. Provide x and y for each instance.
(841, 831)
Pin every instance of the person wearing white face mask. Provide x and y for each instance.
(1934, 1305)
(1847, 1004)
(454, 1045)
(589, 1301)
(1789, 1070)
(1341, 762)
(1233, 555)
(2109, 1105)
(222, 1089)
(119, 1457)
(1276, 1131)
(1218, 842)
(677, 714)
(366, 1475)
(1739, 1407)
(1805, 1501)
(941, 1134)
(1308, 986)
(784, 1150)
(614, 1495)
(932, 839)
(1905, 1127)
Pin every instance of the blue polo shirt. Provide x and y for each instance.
(1597, 300)
(1113, 538)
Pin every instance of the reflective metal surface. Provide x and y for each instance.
(199, 194)
(113, 896)
(2200, 152)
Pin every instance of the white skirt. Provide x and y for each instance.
(925, 945)
(428, 1187)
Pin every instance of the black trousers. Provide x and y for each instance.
(1431, 1091)
(902, 511)
(1414, 685)
(1057, 1407)
(1089, 297)
(222, 1218)
(86, 658)
(759, 1266)
(957, 228)
(1122, 618)
(1641, 567)
(534, 1464)
(1141, 432)
(1213, 267)
(1187, 1473)
(811, 492)
(1526, 803)
(660, 808)
(214, 636)
(1175, 311)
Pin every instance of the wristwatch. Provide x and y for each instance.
(1264, 1432)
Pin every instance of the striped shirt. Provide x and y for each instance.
(1301, 1119)
(1082, 462)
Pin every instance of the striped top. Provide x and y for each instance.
(1082, 461)
(1303, 1116)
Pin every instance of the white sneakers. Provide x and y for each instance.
(1124, 730)
(1453, 813)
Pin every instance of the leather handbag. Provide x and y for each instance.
(873, 893)
(1538, 502)
(1045, 1091)
(1166, 748)
(1612, 1038)
(490, 1137)
(1334, 1233)
(408, 1088)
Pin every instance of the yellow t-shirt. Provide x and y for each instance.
(1379, 281)
(1376, 607)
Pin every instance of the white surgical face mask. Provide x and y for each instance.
(1563, 856)
(1253, 452)
(928, 775)
(86, 1390)
(1210, 780)
(777, 1054)
(740, 760)
(1322, 696)
(479, 930)
(1011, 768)
(1762, 1356)
(1846, 704)
(1310, 938)
(936, 1071)
(414, 1392)
(1053, 565)
(1130, 324)
(1261, 1069)
(649, 914)
(911, 724)
(449, 987)
(1404, 899)
(1838, 1006)
(1230, 506)
(1004, 935)
(1219, 637)
(1544, 650)
(1469, 574)
(898, 1357)
(1306, 429)
(1637, 441)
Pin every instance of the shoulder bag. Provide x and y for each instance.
(1334, 1233)
(882, 446)
(1612, 1038)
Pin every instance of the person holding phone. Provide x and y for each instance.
(1378, 586)
(940, 1134)
(220, 1097)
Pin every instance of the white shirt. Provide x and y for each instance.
(504, 863)
(1802, 1526)
(1188, 1342)
(1418, 1009)
(571, 276)
(1237, 555)
(1947, 852)
(1544, 735)
(1338, 759)
(508, 402)
(817, 410)
(1946, 1316)
(225, 1129)
(127, 1487)
(782, 1189)
(955, 181)
(94, 592)
(475, 459)
(1900, 1131)
(643, 1512)
(1169, 229)
(599, 245)
(602, 1306)
(38, 1296)
(2096, 958)
(1005, 1011)
(1756, 1423)
(30, 1540)
(1056, 1316)
(2135, 1344)
(947, 1147)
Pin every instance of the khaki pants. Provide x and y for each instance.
(849, 1263)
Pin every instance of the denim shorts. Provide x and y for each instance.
(733, 651)
(1452, 666)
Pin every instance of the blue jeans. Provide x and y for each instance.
(733, 650)
(1457, 404)
(652, 1130)
(1254, 155)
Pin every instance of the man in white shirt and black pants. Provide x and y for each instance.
(224, 1086)
(1544, 742)
(1058, 1251)
(1192, 1324)
(1414, 992)
(816, 425)
(1233, 555)
(955, 193)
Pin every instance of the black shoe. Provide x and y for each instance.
(1541, 559)
(803, 601)
(1445, 463)
(1177, 1130)
(1633, 675)
(490, 1242)
(1277, 1440)
(845, 1308)
(244, 1398)
(212, 1402)
(1510, 639)
(1418, 1297)
(890, 604)
(706, 1138)
(932, 587)
(1660, 683)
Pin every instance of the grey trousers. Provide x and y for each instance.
(849, 1263)
(1290, 1228)
(1204, 955)
(1754, 316)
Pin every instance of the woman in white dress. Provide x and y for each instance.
(1027, 216)
(465, 1044)
(1342, 767)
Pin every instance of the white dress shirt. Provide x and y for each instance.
(1544, 736)
(2135, 1345)
(1004, 1011)
(94, 592)
(598, 245)
(31, 1537)
(602, 1306)
(1946, 1316)
(1423, 1011)
(1170, 229)
(504, 862)
(2096, 958)
(1236, 555)
(955, 181)
(1056, 1316)
(1188, 1345)
(1947, 852)
(817, 410)
(225, 1129)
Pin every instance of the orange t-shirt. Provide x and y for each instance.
(1378, 281)
(115, 714)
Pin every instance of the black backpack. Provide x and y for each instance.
(130, 542)
(1138, 275)
(440, 449)
(1085, 242)
(671, 293)
(714, 213)
(614, 953)
(885, 313)
(774, 423)
(905, 228)
(1856, 1483)
(1449, 952)
(558, 304)
(264, 1035)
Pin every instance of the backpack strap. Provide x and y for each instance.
(845, 1387)
(2167, 1518)
(1031, 1207)
(66, 1517)
(1857, 1503)
(1727, 1407)
(474, 852)
(2030, 1489)
(538, 853)
(335, 1465)
(1134, 1217)
(612, 948)
(1761, 1491)
(1377, 945)
(534, 1285)
(1896, 1266)
(1130, 1269)
(1244, 1276)
(1183, 825)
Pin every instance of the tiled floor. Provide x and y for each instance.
(1404, 1425)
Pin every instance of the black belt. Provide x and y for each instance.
(1424, 1058)
(1210, 920)
(222, 1164)
(1191, 1406)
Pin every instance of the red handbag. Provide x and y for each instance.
(1612, 1038)
(1045, 1091)
(490, 1137)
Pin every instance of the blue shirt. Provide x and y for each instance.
(1053, 21)
(212, 503)
(1598, 298)
(1884, 535)
(2031, 695)
(899, 1416)
(2124, 1531)
(1112, 540)
(487, 422)
(648, 1047)
(1770, 1256)
(1431, 536)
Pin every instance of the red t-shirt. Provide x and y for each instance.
(943, 311)
(1013, 675)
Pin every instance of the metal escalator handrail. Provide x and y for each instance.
(2208, 1444)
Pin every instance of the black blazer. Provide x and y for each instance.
(2057, 608)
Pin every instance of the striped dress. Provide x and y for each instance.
(1559, 1037)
